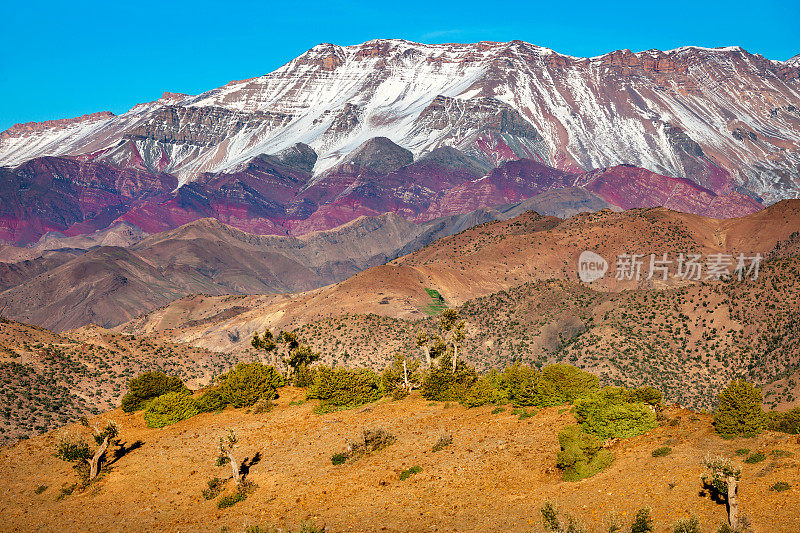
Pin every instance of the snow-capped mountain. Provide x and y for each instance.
(725, 119)
(690, 112)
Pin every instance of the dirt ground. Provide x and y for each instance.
(494, 477)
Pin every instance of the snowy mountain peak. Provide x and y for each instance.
(690, 112)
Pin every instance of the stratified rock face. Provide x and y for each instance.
(72, 197)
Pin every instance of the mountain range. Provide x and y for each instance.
(423, 131)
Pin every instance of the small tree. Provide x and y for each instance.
(226, 447)
(448, 340)
(722, 477)
(400, 377)
(739, 413)
(87, 463)
(296, 355)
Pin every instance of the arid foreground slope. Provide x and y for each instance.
(495, 476)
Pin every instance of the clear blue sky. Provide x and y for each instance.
(63, 59)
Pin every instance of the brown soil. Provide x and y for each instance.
(494, 477)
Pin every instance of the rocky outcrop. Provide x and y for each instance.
(201, 126)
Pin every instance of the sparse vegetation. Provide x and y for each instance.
(780, 486)
(405, 474)
(662, 451)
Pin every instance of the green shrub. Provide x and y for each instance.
(405, 474)
(781, 453)
(608, 414)
(525, 413)
(563, 383)
(642, 522)
(244, 489)
(482, 392)
(444, 385)
(248, 383)
(394, 375)
(582, 455)
(40, 489)
(498, 410)
(552, 522)
(147, 386)
(211, 401)
(339, 458)
(215, 486)
(742, 451)
(663, 451)
(519, 383)
(230, 500)
(72, 451)
(169, 409)
(303, 376)
(780, 486)
(687, 525)
(788, 422)
(344, 388)
(739, 413)
(755, 457)
(647, 395)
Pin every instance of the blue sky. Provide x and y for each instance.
(62, 59)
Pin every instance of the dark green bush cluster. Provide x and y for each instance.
(611, 414)
(582, 455)
(249, 382)
(780, 486)
(211, 401)
(170, 408)
(482, 392)
(344, 388)
(787, 422)
(243, 490)
(338, 458)
(555, 523)
(444, 385)
(148, 386)
(739, 413)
